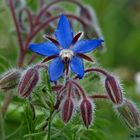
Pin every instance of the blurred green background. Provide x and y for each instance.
(120, 24)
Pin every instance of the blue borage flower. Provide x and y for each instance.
(66, 50)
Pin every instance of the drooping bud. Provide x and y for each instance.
(92, 29)
(28, 82)
(129, 114)
(86, 111)
(10, 79)
(114, 90)
(68, 108)
(86, 13)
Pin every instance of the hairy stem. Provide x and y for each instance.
(21, 59)
(29, 16)
(99, 97)
(6, 103)
(94, 70)
(43, 10)
(19, 34)
(80, 88)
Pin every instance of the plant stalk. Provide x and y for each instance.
(49, 126)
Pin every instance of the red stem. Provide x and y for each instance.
(41, 3)
(30, 18)
(99, 97)
(80, 88)
(21, 58)
(19, 35)
(94, 70)
(69, 90)
(97, 70)
(6, 103)
(34, 56)
(42, 12)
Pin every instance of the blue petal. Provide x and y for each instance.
(64, 33)
(85, 46)
(45, 49)
(55, 69)
(77, 66)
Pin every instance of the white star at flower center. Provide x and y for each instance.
(66, 54)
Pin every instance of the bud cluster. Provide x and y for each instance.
(72, 97)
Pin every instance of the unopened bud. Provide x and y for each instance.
(28, 82)
(114, 90)
(10, 79)
(86, 13)
(68, 108)
(86, 112)
(129, 114)
(92, 29)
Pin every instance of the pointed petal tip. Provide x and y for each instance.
(81, 76)
(63, 16)
(100, 40)
(64, 32)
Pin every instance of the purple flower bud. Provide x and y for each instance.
(92, 29)
(28, 82)
(10, 79)
(86, 13)
(129, 114)
(86, 111)
(114, 90)
(68, 108)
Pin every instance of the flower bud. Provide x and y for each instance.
(86, 13)
(114, 90)
(10, 79)
(68, 108)
(92, 29)
(28, 82)
(86, 111)
(129, 114)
